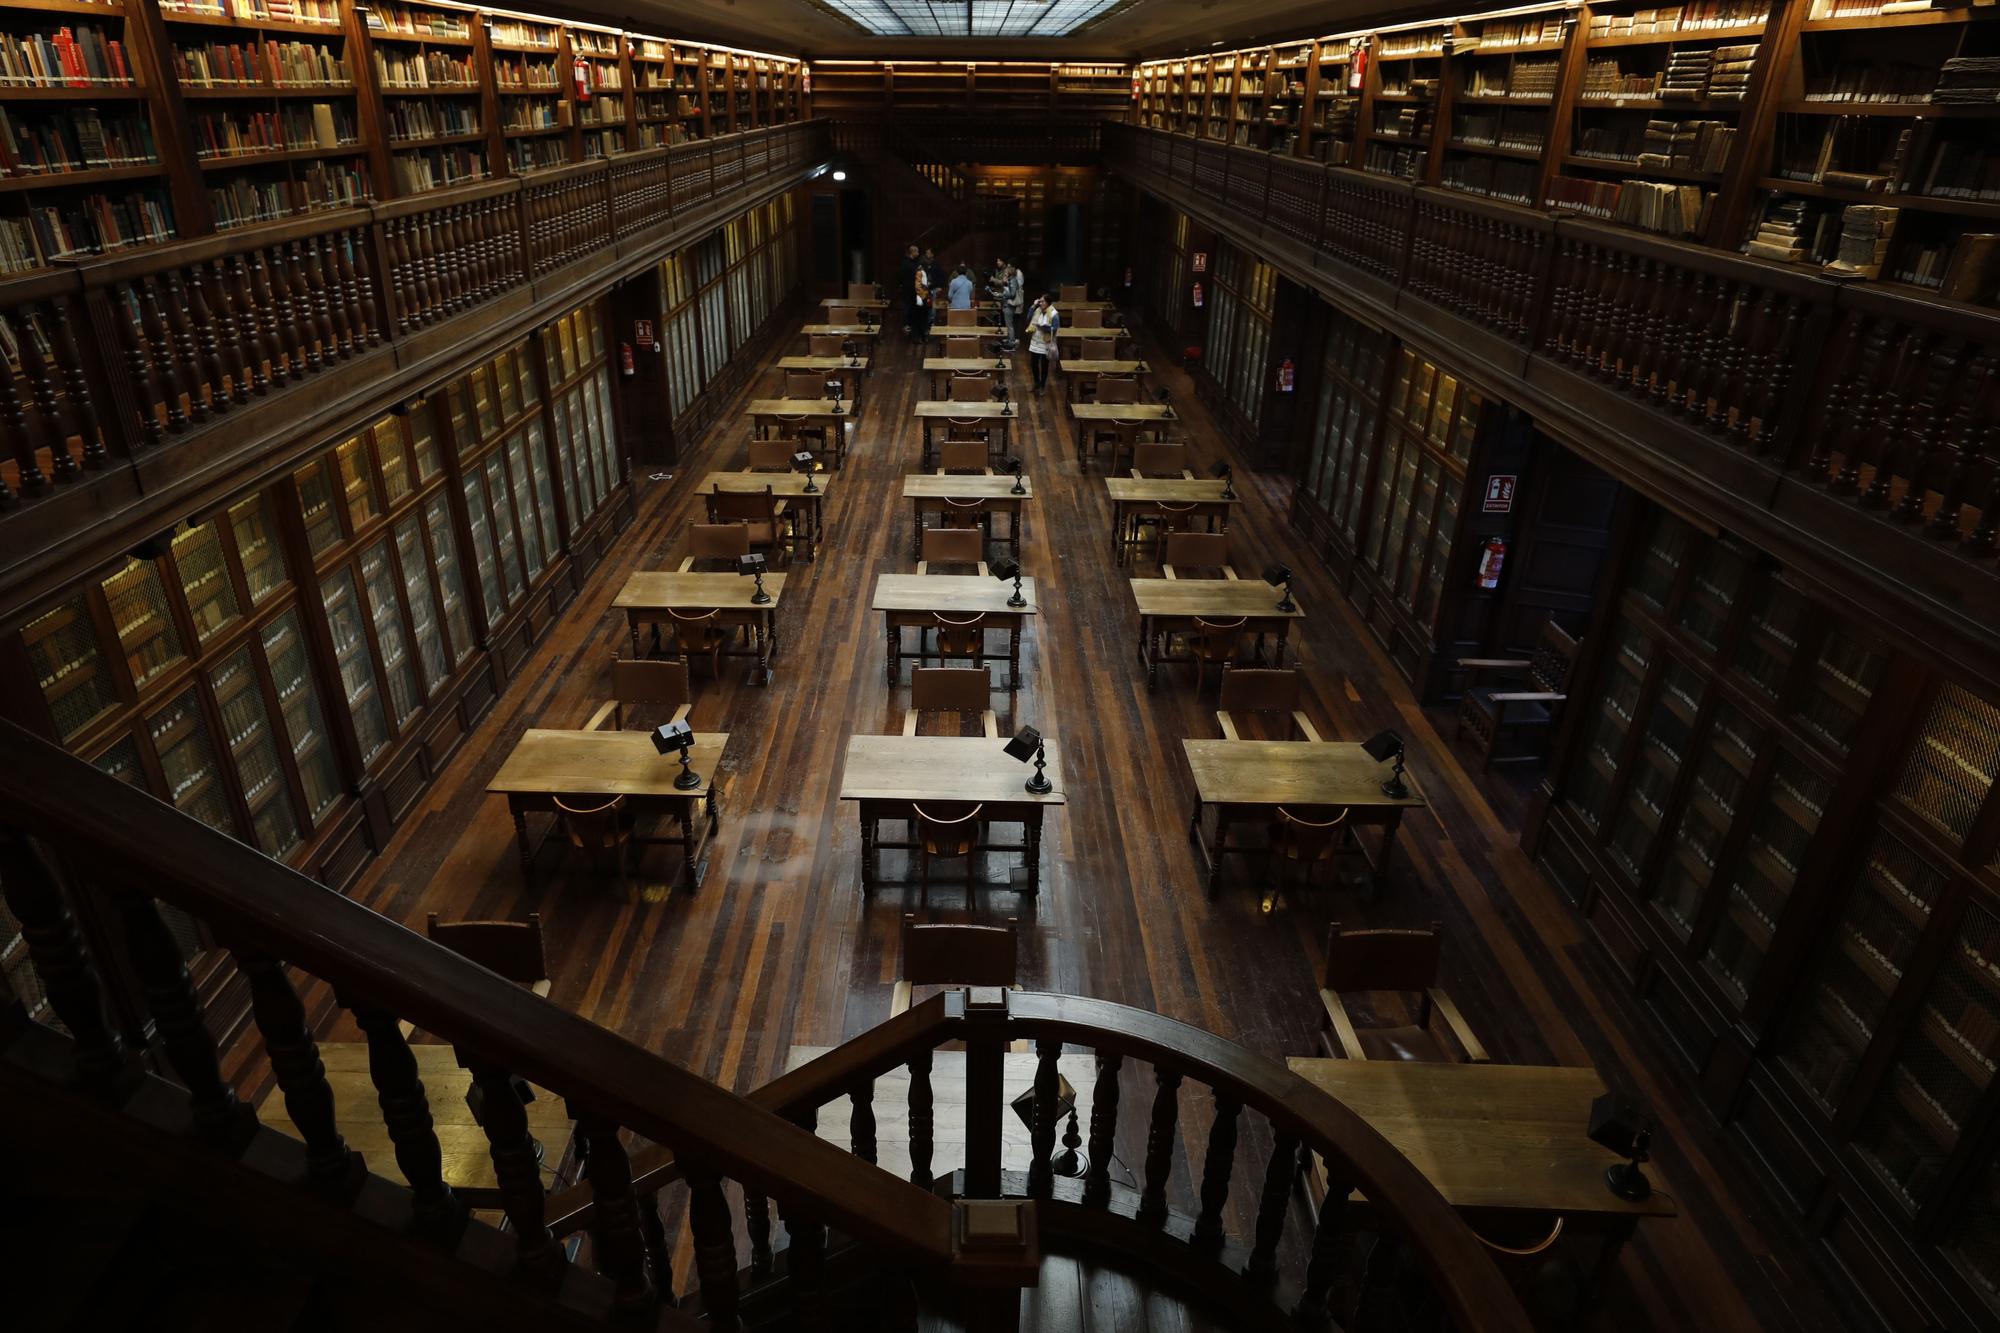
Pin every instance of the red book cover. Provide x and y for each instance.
(72, 60)
(118, 66)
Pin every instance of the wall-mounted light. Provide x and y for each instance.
(839, 175)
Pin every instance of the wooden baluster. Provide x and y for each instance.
(47, 433)
(1918, 462)
(1042, 1128)
(220, 1116)
(861, 1119)
(308, 305)
(180, 330)
(1772, 388)
(14, 417)
(1160, 1147)
(1725, 335)
(1964, 437)
(1890, 417)
(330, 301)
(76, 383)
(805, 1251)
(1216, 1165)
(406, 1114)
(397, 231)
(1103, 1131)
(1707, 339)
(479, 227)
(1646, 366)
(1760, 339)
(1272, 1205)
(1860, 407)
(1983, 540)
(654, 1233)
(757, 1225)
(131, 330)
(516, 1167)
(250, 323)
(427, 266)
(207, 327)
(159, 346)
(355, 261)
(34, 895)
(923, 1120)
(617, 1244)
(445, 239)
(1555, 335)
(714, 1248)
(331, 1166)
(280, 333)
(1324, 1264)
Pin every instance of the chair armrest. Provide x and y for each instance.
(899, 999)
(1227, 724)
(687, 563)
(991, 723)
(1168, 570)
(1229, 572)
(1304, 724)
(910, 722)
(1454, 1020)
(542, 987)
(681, 713)
(923, 566)
(1187, 475)
(1527, 697)
(1343, 1027)
(1137, 475)
(1477, 666)
(982, 570)
(605, 710)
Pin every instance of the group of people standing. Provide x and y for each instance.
(927, 288)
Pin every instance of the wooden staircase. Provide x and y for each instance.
(130, 1111)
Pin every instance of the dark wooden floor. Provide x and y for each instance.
(779, 947)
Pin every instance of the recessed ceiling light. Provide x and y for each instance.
(970, 18)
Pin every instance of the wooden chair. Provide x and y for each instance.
(1092, 318)
(952, 546)
(1166, 518)
(954, 955)
(961, 691)
(1389, 960)
(863, 291)
(825, 344)
(1117, 389)
(514, 949)
(1198, 552)
(1261, 690)
(761, 512)
(961, 319)
(802, 431)
(718, 543)
(1093, 348)
(963, 457)
(643, 682)
(1215, 643)
(1161, 460)
(946, 830)
(1489, 709)
(974, 388)
(968, 428)
(963, 345)
(1072, 292)
(600, 827)
(698, 634)
(804, 384)
(1303, 836)
(768, 455)
(1122, 436)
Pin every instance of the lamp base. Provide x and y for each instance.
(1628, 1182)
(760, 598)
(1071, 1163)
(1017, 599)
(1019, 489)
(688, 780)
(1228, 494)
(810, 489)
(1039, 784)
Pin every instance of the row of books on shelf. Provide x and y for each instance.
(1606, 80)
(1512, 181)
(318, 186)
(430, 118)
(267, 63)
(1683, 145)
(1502, 34)
(1692, 17)
(536, 154)
(79, 57)
(1399, 44)
(1520, 78)
(1655, 206)
(1396, 160)
(424, 69)
(52, 143)
(1927, 158)
(1507, 129)
(386, 16)
(1889, 81)
(1841, 9)
(277, 11)
(435, 168)
(1721, 74)
(599, 144)
(1968, 81)
(95, 224)
(538, 76)
(219, 134)
(516, 32)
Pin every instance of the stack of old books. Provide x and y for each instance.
(1968, 81)
(1686, 79)
(1865, 230)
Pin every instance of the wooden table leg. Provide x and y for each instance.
(1284, 637)
(895, 650)
(632, 623)
(1118, 532)
(869, 833)
(689, 814)
(1148, 653)
(767, 634)
(1215, 851)
(1014, 658)
(521, 838)
(1034, 841)
(917, 536)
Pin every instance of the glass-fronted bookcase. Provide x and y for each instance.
(1786, 830)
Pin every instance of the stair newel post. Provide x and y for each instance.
(1103, 1130)
(1216, 1165)
(1160, 1147)
(1324, 1263)
(1272, 1204)
(220, 1116)
(406, 1114)
(617, 1244)
(1042, 1132)
(861, 1119)
(757, 1224)
(923, 1120)
(56, 948)
(985, 1057)
(714, 1247)
(331, 1166)
(516, 1166)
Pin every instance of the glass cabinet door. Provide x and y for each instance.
(385, 609)
(257, 547)
(1786, 817)
(608, 473)
(430, 635)
(1711, 806)
(246, 726)
(479, 523)
(1657, 764)
(1618, 698)
(1660, 559)
(355, 661)
(186, 752)
(1837, 691)
(451, 584)
(524, 501)
(503, 524)
(205, 582)
(298, 701)
(64, 655)
(316, 505)
(142, 620)
(536, 447)
(1952, 762)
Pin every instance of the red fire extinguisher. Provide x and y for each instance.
(1491, 557)
(625, 366)
(1197, 296)
(581, 70)
(1285, 375)
(1128, 277)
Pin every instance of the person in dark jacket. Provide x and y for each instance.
(906, 283)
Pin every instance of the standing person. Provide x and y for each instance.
(920, 305)
(906, 276)
(1013, 295)
(960, 291)
(1042, 327)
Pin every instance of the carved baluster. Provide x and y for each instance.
(406, 1114)
(1216, 1165)
(1860, 414)
(617, 1244)
(1758, 338)
(48, 432)
(654, 1233)
(331, 1166)
(330, 311)
(76, 383)
(250, 323)
(861, 1119)
(805, 1255)
(1843, 351)
(1160, 1148)
(1983, 540)
(131, 332)
(1963, 435)
(457, 287)
(1647, 367)
(62, 962)
(427, 266)
(1728, 333)
(1586, 348)
(14, 417)
(757, 1223)
(478, 229)
(1917, 462)
(1562, 286)
(207, 327)
(923, 1120)
(280, 334)
(1324, 1264)
(1042, 1129)
(308, 306)
(1890, 417)
(516, 1167)
(714, 1248)
(1708, 339)
(1272, 1205)
(159, 346)
(399, 273)
(180, 330)
(1777, 376)
(219, 1115)
(356, 262)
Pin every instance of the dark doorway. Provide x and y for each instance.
(857, 237)
(1563, 531)
(1063, 257)
(826, 262)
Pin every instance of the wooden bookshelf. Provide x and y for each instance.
(536, 117)
(600, 76)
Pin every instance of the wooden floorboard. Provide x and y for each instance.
(780, 948)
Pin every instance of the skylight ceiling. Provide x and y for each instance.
(970, 18)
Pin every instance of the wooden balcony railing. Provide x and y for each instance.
(67, 829)
(1873, 393)
(118, 356)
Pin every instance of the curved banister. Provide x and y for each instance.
(252, 901)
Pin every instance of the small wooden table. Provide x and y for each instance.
(840, 303)
(1164, 602)
(1112, 334)
(1133, 496)
(942, 368)
(1245, 779)
(842, 330)
(919, 600)
(927, 490)
(787, 486)
(650, 593)
(764, 414)
(853, 371)
(1083, 414)
(887, 775)
(547, 764)
(1083, 371)
(1003, 413)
